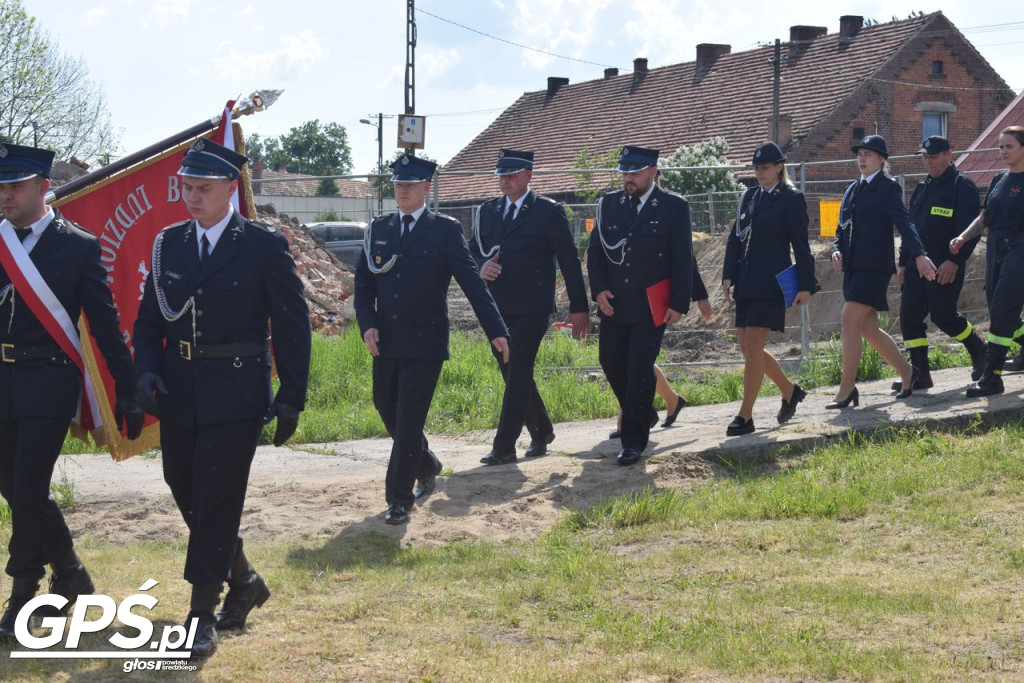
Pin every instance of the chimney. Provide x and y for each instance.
(554, 83)
(640, 65)
(850, 25)
(707, 53)
(785, 130)
(611, 72)
(257, 174)
(803, 34)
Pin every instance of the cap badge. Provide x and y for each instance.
(198, 146)
(501, 154)
(757, 154)
(625, 150)
(3, 152)
(405, 161)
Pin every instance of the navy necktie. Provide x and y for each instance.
(204, 248)
(407, 221)
(22, 233)
(634, 207)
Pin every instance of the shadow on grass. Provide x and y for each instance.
(364, 544)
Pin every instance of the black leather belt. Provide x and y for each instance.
(12, 353)
(190, 351)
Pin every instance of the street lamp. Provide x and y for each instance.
(380, 158)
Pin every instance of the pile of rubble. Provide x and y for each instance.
(329, 283)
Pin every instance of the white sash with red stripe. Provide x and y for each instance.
(47, 309)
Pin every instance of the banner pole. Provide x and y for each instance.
(257, 101)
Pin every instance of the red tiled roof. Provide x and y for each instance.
(680, 104)
(307, 188)
(982, 166)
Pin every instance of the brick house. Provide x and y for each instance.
(982, 166)
(903, 79)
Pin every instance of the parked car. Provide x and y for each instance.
(344, 239)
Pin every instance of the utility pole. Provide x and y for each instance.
(410, 62)
(380, 157)
(776, 74)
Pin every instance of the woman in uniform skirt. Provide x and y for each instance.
(1003, 215)
(772, 217)
(863, 251)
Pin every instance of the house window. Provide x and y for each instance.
(934, 123)
(937, 67)
(858, 133)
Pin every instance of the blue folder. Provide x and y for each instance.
(788, 284)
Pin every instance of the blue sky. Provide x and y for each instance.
(167, 64)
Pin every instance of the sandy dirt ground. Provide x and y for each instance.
(337, 489)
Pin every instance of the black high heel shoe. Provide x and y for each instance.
(853, 396)
(670, 418)
(915, 381)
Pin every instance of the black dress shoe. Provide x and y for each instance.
(426, 485)
(670, 418)
(242, 597)
(739, 426)
(628, 456)
(396, 514)
(617, 434)
(789, 407)
(205, 642)
(852, 397)
(539, 448)
(496, 457)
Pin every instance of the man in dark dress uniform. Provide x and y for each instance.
(942, 206)
(40, 383)
(642, 236)
(401, 303)
(518, 238)
(202, 353)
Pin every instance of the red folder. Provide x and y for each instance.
(657, 297)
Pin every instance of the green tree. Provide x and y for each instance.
(327, 188)
(589, 184)
(46, 96)
(389, 187)
(708, 153)
(311, 148)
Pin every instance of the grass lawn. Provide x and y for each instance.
(894, 558)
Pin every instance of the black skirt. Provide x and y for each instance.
(770, 313)
(867, 287)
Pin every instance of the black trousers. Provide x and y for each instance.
(1004, 275)
(402, 391)
(627, 353)
(921, 298)
(521, 403)
(29, 448)
(207, 468)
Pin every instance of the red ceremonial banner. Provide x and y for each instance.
(127, 211)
